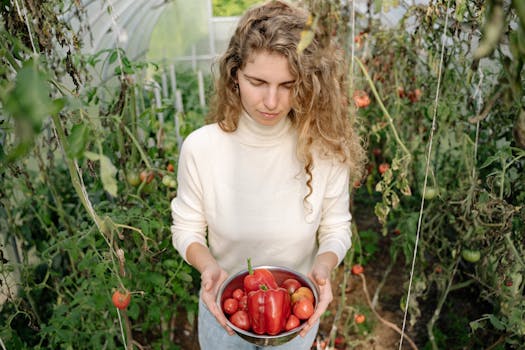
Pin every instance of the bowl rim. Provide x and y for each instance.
(230, 278)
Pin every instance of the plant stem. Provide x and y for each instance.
(383, 281)
(514, 250)
(385, 111)
(437, 311)
(75, 179)
(139, 148)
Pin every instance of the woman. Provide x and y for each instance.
(269, 178)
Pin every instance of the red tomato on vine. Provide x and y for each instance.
(357, 269)
(120, 299)
(383, 167)
(361, 98)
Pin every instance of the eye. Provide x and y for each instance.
(256, 82)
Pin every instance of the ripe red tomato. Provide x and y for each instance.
(359, 318)
(241, 320)
(243, 303)
(357, 269)
(147, 176)
(292, 322)
(230, 306)
(291, 285)
(415, 95)
(383, 167)
(238, 294)
(303, 309)
(170, 168)
(401, 91)
(302, 293)
(120, 299)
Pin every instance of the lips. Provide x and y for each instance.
(269, 115)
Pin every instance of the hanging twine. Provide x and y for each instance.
(427, 167)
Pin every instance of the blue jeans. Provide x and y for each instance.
(213, 337)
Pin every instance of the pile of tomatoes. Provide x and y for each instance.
(247, 309)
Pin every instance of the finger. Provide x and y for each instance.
(206, 285)
(229, 330)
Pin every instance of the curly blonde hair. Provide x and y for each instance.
(320, 93)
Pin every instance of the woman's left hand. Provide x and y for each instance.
(320, 274)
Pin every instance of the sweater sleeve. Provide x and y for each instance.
(334, 229)
(187, 209)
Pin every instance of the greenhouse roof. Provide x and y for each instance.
(126, 24)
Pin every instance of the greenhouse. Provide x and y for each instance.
(113, 227)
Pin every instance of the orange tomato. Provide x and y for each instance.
(357, 269)
(361, 98)
(301, 293)
(359, 318)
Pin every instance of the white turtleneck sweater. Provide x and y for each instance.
(241, 194)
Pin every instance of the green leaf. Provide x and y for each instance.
(108, 174)
(496, 323)
(113, 57)
(185, 277)
(77, 141)
(171, 264)
(156, 279)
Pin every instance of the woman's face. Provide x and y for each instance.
(265, 85)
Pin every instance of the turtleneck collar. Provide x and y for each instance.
(252, 133)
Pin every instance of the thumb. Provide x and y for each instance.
(206, 284)
(319, 278)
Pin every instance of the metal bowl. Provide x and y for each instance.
(280, 273)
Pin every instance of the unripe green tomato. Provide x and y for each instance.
(471, 255)
(133, 178)
(431, 193)
(169, 181)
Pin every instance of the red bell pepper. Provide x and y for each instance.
(268, 310)
(257, 278)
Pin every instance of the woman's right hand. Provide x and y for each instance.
(212, 277)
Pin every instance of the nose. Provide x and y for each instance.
(271, 98)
